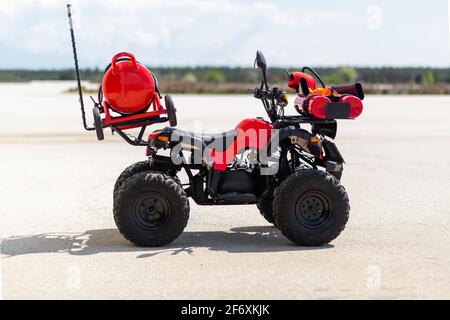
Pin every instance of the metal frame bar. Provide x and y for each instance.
(77, 69)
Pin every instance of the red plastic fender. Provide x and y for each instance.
(251, 133)
(356, 105)
(128, 87)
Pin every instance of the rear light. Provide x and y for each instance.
(154, 135)
(163, 138)
(317, 106)
(158, 140)
(356, 105)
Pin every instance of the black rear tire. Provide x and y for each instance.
(265, 207)
(311, 208)
(151, 209)
(142, 166)
(138, 167)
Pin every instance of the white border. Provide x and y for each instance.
(1, 285)
(448, 7)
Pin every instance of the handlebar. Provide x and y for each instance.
(272, 99)
(274, 93)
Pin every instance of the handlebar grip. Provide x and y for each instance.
(354, 89)
(304, 86)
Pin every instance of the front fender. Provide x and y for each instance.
(333, 161)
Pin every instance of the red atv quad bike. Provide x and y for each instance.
(291, 174)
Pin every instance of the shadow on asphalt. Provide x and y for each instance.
(238, 240)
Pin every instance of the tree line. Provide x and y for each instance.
(228, 75)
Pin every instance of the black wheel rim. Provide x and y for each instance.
(151, 211)
(313, 209)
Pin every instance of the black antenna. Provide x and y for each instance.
(77, 69)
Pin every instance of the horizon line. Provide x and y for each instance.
(236, 67)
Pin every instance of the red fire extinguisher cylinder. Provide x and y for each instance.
(356, 105)
(128, 87)
(317, 106)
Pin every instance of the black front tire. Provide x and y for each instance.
(151, 209)
(311, 208)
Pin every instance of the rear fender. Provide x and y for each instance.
(158, 140)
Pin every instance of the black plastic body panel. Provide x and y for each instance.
(326, 129)
(338, 110)
(238, 181)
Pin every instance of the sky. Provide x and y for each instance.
(34, 33)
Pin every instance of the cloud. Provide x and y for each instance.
(34, 41)
(221, 32)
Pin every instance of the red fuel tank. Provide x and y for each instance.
(250, 133)
(128, 86)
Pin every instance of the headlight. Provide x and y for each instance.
(283, 100)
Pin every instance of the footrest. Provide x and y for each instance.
(238, 198)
